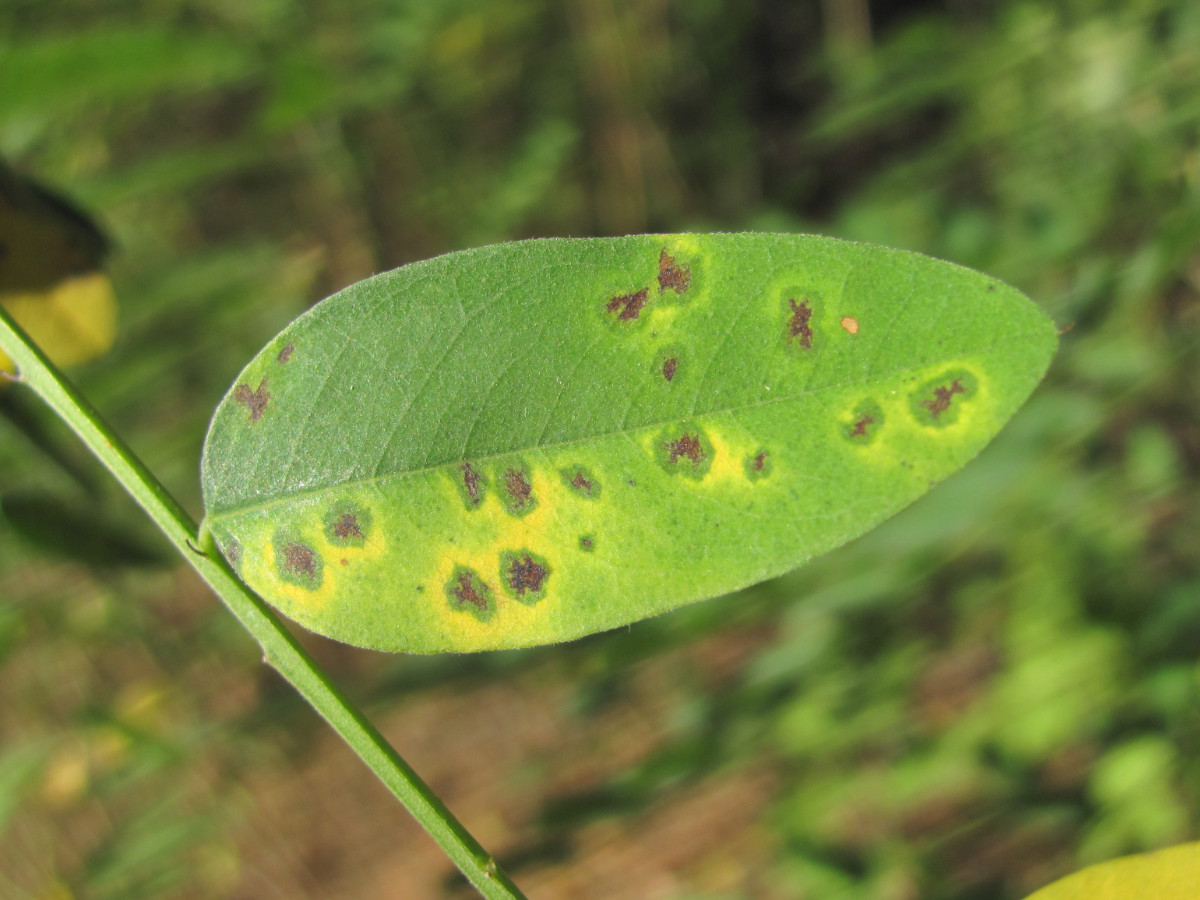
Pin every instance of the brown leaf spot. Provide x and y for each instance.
(345, 562)
(466, 592)
(860, 427)
(672, 277)
(680, 443)
(669, 366)
(581, 481)
(942, 398)
(798, 327)
(255, 401)
(299, 560)
(587, 544)
(629, 306)
(286, 353)
(687, 446)
(296, 562)
(471, 482)
(346, 528)
(758, 465)
(524, 574)
(851, 325)
(517, 487)
(863, 423)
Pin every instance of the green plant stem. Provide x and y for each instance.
(280, 649)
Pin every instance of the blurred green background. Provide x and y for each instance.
(996, 687)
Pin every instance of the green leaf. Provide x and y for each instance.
(1171, 874)
(533, 441)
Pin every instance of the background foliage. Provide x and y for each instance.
(996, 687)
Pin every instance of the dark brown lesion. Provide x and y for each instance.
(347, 525)
(472, 484)
(299, 560)
(942, 398)
(862, 424)
(255, 401)
(581, 481)
(687, 446)
(671, 275)
(285, 354)
(670, 365)
(758, 465)
(629, 306)
(525, 574)
(298, 563)
(518, 488)
(938, 402)
(859, 428)
(346, 528)
(684, 449)
(468, 589)
(799, 327)
(467, 592)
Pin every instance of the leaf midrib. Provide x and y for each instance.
(355, 482)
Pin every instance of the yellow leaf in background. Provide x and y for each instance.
(51, 281)
(1171, 874)
(74, 321)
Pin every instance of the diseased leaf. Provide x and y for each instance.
(1171, 874)
(533, 441)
